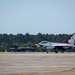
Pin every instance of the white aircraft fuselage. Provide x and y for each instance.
(52, 45)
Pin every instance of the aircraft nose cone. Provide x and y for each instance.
(35, 45)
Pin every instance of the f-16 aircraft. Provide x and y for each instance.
(69, 44)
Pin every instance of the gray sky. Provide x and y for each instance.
(34, 16)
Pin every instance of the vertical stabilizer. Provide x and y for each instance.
(71, 40)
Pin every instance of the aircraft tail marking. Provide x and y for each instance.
(71, 39)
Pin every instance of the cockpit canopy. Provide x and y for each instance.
(43, 42)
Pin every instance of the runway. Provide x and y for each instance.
(37, 64)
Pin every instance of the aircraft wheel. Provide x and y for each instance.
(56, 51)
(62, 51)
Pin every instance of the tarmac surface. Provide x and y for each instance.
(37, 64)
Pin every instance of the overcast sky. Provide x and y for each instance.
(37, 16)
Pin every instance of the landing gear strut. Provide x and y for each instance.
(47, 51)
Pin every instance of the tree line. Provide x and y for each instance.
(23, 40)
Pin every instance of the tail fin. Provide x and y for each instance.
(71, 39)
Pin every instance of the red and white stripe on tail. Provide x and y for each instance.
(71, 40)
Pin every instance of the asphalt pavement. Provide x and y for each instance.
(37, 63)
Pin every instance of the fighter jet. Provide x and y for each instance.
(69, 44)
